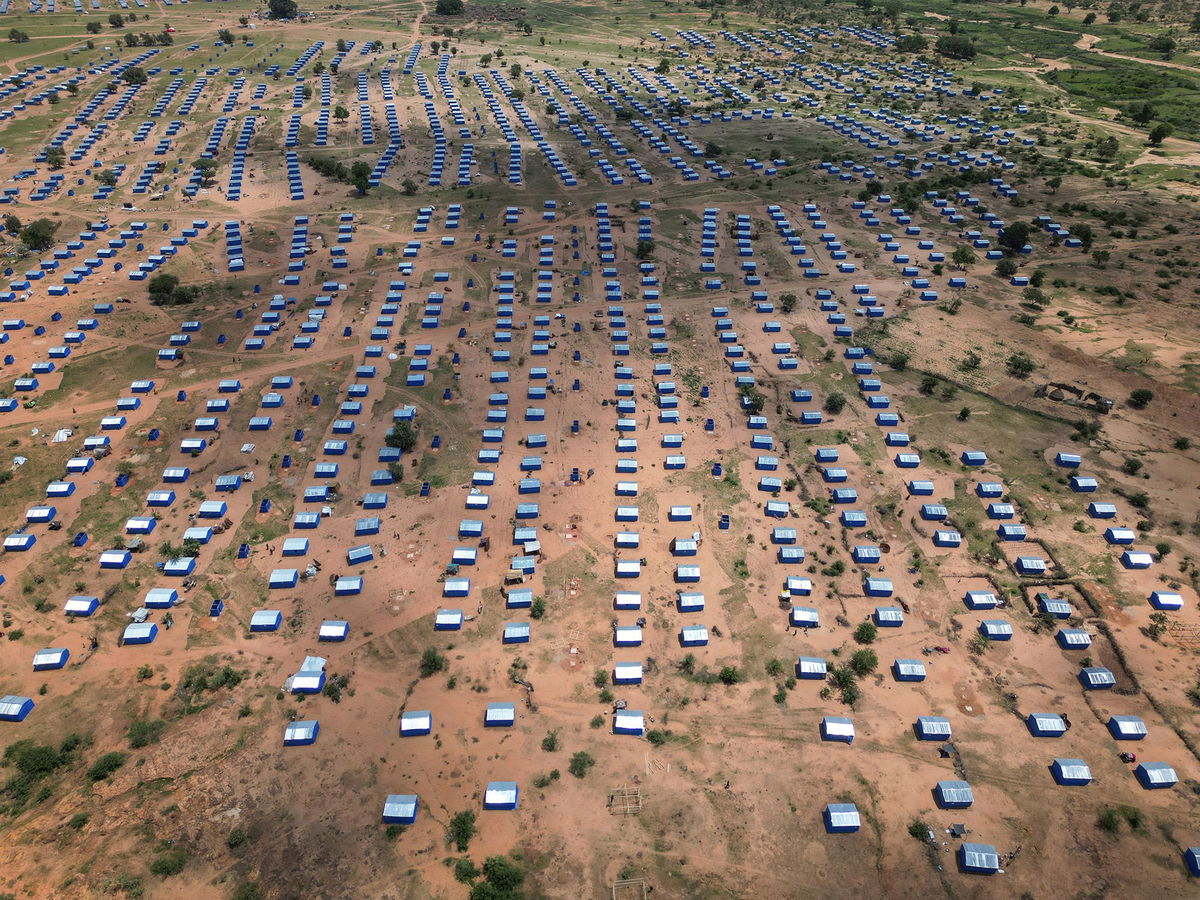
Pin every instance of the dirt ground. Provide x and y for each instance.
(737, 775)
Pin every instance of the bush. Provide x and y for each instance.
(597, 721)
(1141, 398)
(169, 863)
(600, 679)
(144, 732)
(730, 675)
(775, 667)
(657, 737)
(1109, 820)
(866, 633)
(864, 662)
(537, 609)
(462, 829)
(835, 403)
(249, 890)
(79, 820)
(106, 765)
(465, 870)
(502, 873)
(432, 662)
(550, 742)
(236, 838)
(581, 763)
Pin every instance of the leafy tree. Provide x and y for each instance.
(1020, 365)
(449, 7)
(956, 46)
(408, 186)
(116, 20)
(93, 28)
(341, 113)
(107, 177)
(134, 75)
(911, 43)
(1014, 236)
(225, 36)
(1163, 44)
(360, 176)
(963, 256)
(835, 403)
(1141, 398)
(282, 9)
(56, 157)
(1161, 132)
(402, 435)
(12, 224)
(39, 234)
(1142, 113)
(1053, 11)
(514, 71)
(644, 249)
(17, 36)
(207, 169)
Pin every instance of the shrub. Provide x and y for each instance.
(1109, 820)
(465, 870)
(581, 763)
(462, 829)
(550, 742)
(835, 403)
(79, 820)
(537, 609)
(144, 732)
(864, 662)
(866, 633)
(597, 721)
(432, 662)
(236, 838)
(730, 675)
(106, 765)
(657, 737)
(169, 863)
(1141, 398)
(600, 679)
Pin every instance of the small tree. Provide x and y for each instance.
(835, 403)
(341, 113)
(134, 75)
(408, 186)
(12, 224)
(1140, 398)
(449, 7)
(116, 20)
(93, 28)
(225, 36)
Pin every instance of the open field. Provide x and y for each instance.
(560, 450)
